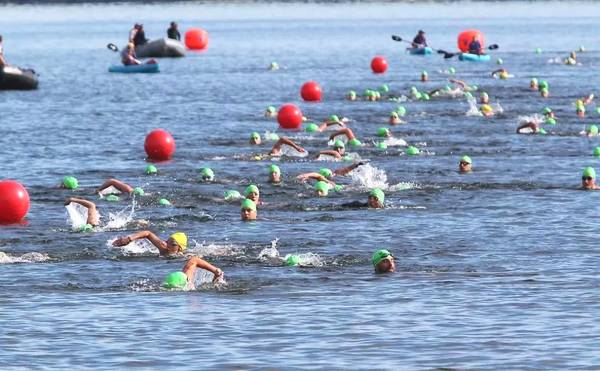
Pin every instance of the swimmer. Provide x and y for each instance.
(462, 85)
(276, 150)
(331, 121)
(424, 76)
(69, 182)
(252, 193)
(465, 164)
(93, 218)
(338, 150)
(207, 174)
(274, 174)
(580, 108)
(588, 179)
(587, 100)
(180, 280)
(375, 200)
(548, 113)
(383, 261)
(345, 131)
(322, 176)
(592, 131)
(255, 138)
(487, 110)
(120, 186)
(395, 119)
(544, 92)
(175, 245)
(274, 66)
(484, 98)
(529, 127)
(502, 73)
(351, 96)
(533, 84)
(271, 111)
(248, 210)
(322, 188)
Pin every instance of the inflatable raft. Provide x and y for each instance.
(15, 78)
(135, 68)
(474, 57)
(160, 48)
(420, 51)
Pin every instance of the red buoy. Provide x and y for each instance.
(159, 145)
(14, 202)
(466, 37)
(289, 116)
(196, 39)
(311, 91)
(379, 64)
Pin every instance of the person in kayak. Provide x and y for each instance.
(128, 57)
(185, 278)
(173, 32)
(137, 36)
(175, 245)
(475, 47)
(419, 41)
(2, 61)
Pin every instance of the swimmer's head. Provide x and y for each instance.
(248, 209)
(252, 192)
(381, 145)
(401, 110)
(70, 182)
(544, 92)
(339, 146)
(384, 132)
(178, 241)
(175, 280)
(231, 194)
(465, 164)
(292, 260)
(312, 127)
(384, 88)
(164, 202)
(138, 191)
(86, 228)
(354, 142)
(351, 95)
(376, 199)
(333, 118)
(327, 173)
(207, 174)
(151, 169)
(503, 74)
(588, 178)
(255, 138)
(274, 173)
(112, 198)
(487, 110)
(547, 111)
(550, 121)
(322, 188)
(597, 151)
(543, 84)
(485, 98)
(383, 261)
(412, 151)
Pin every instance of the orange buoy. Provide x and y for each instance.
(196, 39)
(466, 37)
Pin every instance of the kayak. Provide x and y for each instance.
(15, 78)
(420, 51)
(134, 68)
(160, 48)
(474, 57)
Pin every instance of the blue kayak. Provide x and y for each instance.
(420, 51)
(474, 57)
(134, 68)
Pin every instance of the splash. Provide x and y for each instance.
(535, 118)
(395, 142)
(121, 218)
(291, 152)
(137, 247)
(403, 186)
(308, 259)
(30, 257)
(77, 215)
(109, 191)
(369, 177)
(473, 110)
(212, 249)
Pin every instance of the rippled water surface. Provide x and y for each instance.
(496, 269)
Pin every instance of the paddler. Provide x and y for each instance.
(419, 41)
(173, 32)
(475, 47)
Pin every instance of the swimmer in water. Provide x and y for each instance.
(120, 186)
(93, 218)
(271, 111)
(248, 210)
(383, 261)
(338, 151)
(180, 280)
(276, 150)
(332, 120)
(375, 200)
(462, 85)
(484, 98)
(529, 127)
(465, 164)
(351, 96)
(588, 179)
(255, 138)
(207, 175)
(326, 174)
(395, 119)
(274, 174)
(174, 245)
(349, 136)
(252, 193)
(487, 110)
(69, 182)
(592, 131)
(502, 73)
(533, 84)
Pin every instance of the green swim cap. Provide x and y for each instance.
(338, 188)
(598, 110)
(207, 173)
(70, 182)
(384, 88)
(447, 88)
(138, 191)
(327, 173)
(86, 228)
(394, 114)
(466, 159)
(347, 158)
(418, 95)
(112, 198)
(499, 61)
(544, 90)
(292, 260)
(401, 110)
(334, 118)
(381, 145)
(379, 255)
(413, 89)
(546, 110)
(151, 169)
(550, 121)
(274, 169)
(593, 129)
(597, 151)
(272, 136)
(542, 131)
(378, 194)
(338, 144)
(468, 95)
(251, 189)
(424, 72)
(175, 280)
(271, 109)
(354, 142)
(352, 93)
(164, 202)
(589, 171)
(412, 151)
(254, 135)
(312, 127)
(248, 204)
(377, 94)
(425, 96)
(231, 195)
(322, 186)
(543, 84)
(538, 50)
(484, 94)
(474, 87)
(383, 132)
(534, 80)
(452, 70)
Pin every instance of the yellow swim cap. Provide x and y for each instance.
(486, 108)
(181, 239)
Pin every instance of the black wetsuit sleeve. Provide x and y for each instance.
(355, 205)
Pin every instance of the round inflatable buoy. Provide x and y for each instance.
(465, 38)
(289, 116)
(159, 145)
(379, 64)
(14, 201)
(311, 91)
(196, 39)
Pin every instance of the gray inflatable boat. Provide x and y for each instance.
(160, 48)
(15, 78)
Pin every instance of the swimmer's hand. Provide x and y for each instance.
(123, 241)
(218, 275)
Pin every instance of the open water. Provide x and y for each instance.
(496, 269)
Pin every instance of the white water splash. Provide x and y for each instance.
(536, 118)
(473, 109)
(121, 218)
(395, 142)
(403, 186)
(291, 152)
(30, 257)
(137, 247)
(212, 249)
(369, 177)
(77, 215)
(109, 191)
(308, 259)
(270, 252)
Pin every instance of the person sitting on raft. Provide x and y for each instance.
(173, 32)
(419, 41)
(588, 179)
(120, 187)
(128, 56)
(175, 245)
(475, 47)
(338, 150)
(93, 218)
(185, 278)
(383, 261)
(137, 36)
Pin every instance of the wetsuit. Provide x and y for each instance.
(475, 47)
(419, 41)
(140, 38)
(173, 33)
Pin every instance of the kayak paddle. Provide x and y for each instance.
(450, 55)
(398, 38)
(112, 47)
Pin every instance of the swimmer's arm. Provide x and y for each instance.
(123, 187)
(460, 83)
(345, 131)
(289, 142)
(327, 124)
(160, 244)
(347, 169)
(89, 205)
(316, 176)
(330, 152)
(195, 262)
(530, 125)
